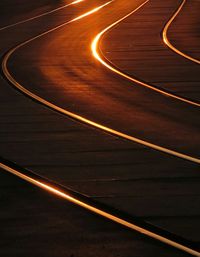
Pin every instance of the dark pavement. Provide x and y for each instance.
(145, 183)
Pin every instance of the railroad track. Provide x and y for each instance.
(167, 40)
(23, 175)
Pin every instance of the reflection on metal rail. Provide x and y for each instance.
(100, 209)
(40, 15)
(167, 41)
(107, 64)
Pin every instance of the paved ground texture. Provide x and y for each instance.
(59, 67)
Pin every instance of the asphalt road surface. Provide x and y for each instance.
(52, 59)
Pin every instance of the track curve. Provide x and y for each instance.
(8, 168)
(98, 54)
(167, 40)
(12, 80)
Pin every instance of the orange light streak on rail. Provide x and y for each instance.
(41, 100)
(94, 49)
(40, 15)
(98, 211)
(80, 118)
(167, 41)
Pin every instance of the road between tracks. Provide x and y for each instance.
(172, 73)
(103, 60)
(39, 15)
(167, 40)
(87, 204)
(74, 115)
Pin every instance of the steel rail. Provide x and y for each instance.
(65, 195)
(104, 61)
(77, 117)
(102, 210)
(40, 15)
(167, 41)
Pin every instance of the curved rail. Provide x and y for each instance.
(40, 15)
(17, 85)
(101, 209)
(107, 64)
(72, 196)
(167, 41)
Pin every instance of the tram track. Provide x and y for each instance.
(102, 210)
(166, 39)
(39, 15)
(98, 54)
(20, 172)
(82, 119)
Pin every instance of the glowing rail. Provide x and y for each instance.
(94, 48)
(99, 211)
(12, 80)
(40, 15)
(63, 194)
(167, 41)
